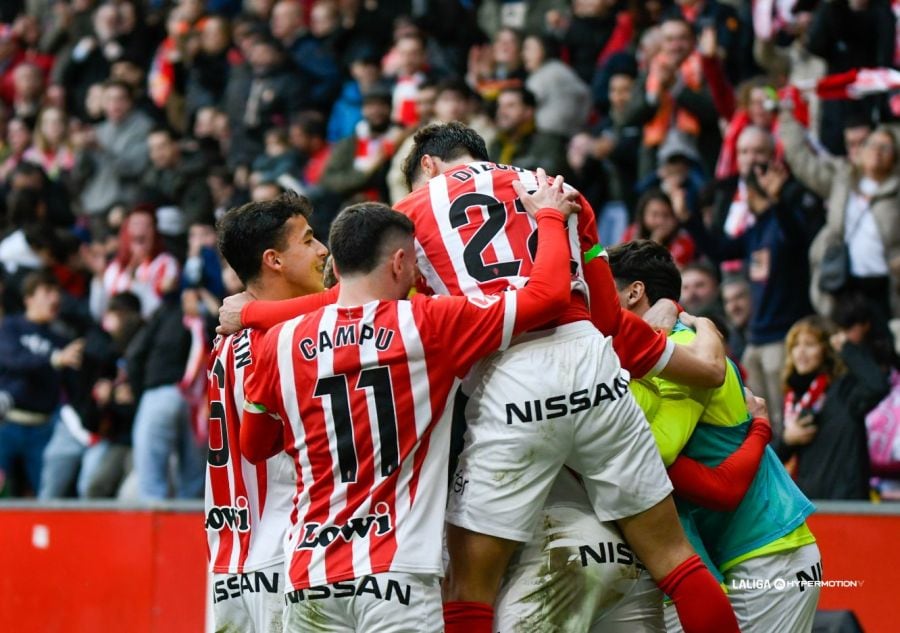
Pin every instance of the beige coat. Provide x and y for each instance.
(833, 179)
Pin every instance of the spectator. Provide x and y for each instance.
(263, 98)
(563, 99)
(831, 380)
(359, 163)
(737, 302)
(176, 184)
(411, 74)
(89, 444)
(862, 201)
(34, 362)
(156, 363)
(850, 34)
(18, 139)
(781, 227)
(141, 266)
(655, 220)
(225, 194)
(700, 290)
(518, 141)
(279, 158)
(721, 16)
(492, 68)
(365, 76)
(28, 82)
(307, 136)
(588, 33)
(51, 148)
(209, 70)
(671, 98)
(110, 158)
(316, 57)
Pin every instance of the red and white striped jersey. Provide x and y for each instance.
(247, 506)
(363, 395)
(474, 237)
(148, 281)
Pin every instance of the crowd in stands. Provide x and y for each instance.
(128, 127)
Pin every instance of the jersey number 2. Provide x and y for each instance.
(337, 389)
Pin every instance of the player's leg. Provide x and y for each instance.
(575, 571)
(776, 592)
(627, 482)
(512, 454)
(230, 612)
(265, 602)
(639, 611)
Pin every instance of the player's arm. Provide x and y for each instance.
(240, 310)
(643, 351)
(722, 487)
(700, 364)
(262, 431)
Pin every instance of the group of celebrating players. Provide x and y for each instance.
(335, 414)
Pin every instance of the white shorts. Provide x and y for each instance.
(576, 575)
(391, 602)
(789, 601)
(249, 602)
(553, 398)
(769, 593)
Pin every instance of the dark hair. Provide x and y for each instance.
(360, 233)
(647, 262)
(446, 141)
(38, 279)
(124, 302)
(118, 83)
(703, 267)
(551, 45)
(311, 122)
(23, 206)
(643, 202)
(459, 86)
(528, 98)
(164, 129)
(246, 232)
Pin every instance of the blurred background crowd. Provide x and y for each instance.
(742, 135)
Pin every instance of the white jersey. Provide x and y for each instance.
(247, 506)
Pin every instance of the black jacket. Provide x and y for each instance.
(158, 354)
(835, 465)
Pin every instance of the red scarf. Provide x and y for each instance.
(812, 400)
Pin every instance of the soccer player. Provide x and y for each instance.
(271, 247)
(357, 394)
(557, 396)
(758, 535)
(577, 574)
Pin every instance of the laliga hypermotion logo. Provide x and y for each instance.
(358, 527)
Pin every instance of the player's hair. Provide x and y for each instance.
(362, 232)
(446, 141)
(246, 232)
(647, 262)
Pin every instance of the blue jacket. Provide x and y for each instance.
(25, 370)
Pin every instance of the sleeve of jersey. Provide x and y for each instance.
(674, 421)
(475, 327)
(263, 315)
(641, 350)
(723, 487)
(262, 434)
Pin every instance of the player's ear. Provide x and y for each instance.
(636, 292)
(272, 259)
(428, 166)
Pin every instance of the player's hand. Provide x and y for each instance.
(549, 195)
(662, 315)
(230, 313)
(756, 405)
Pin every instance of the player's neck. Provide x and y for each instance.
(357, 291)
(272, 290)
